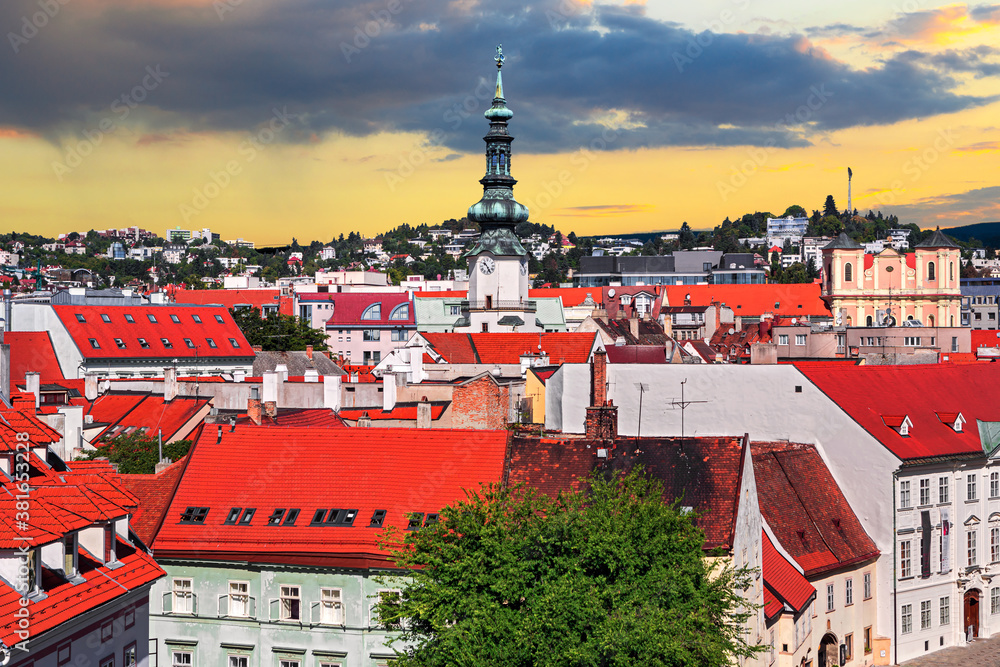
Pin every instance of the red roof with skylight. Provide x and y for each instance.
(507, 348)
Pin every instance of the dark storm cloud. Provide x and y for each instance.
(981, 60)
(426, 66)
(979, 205)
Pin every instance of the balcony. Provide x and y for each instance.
(498, 305)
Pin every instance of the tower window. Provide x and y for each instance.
(930, 271)
(848, 272)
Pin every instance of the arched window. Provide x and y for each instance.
(400, 312)
(373, 312)
(930, 320)
(494, 164)
(951, 270)
(848, 273)
(868, 321)
(503, 163)
(930, 271)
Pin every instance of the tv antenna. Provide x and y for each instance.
(683, 405)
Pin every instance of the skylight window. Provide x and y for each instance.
(290, 518)
(415, 520)
(120, 343)
(81, 318)
(373, 312)
(218, 318)
(194, 515)
(211, 343)
(318, 517)
(275, 518)
(232, 341)
(166, 343)
(377, 518)
(143, 343)
(152, 317)
(189, 343)
(129, 318)
(94, 344)
(431, 519)
(196, 318)
(175, 319)
(233, 516)
(247, 516)
(106, 318)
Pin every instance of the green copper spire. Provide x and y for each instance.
(497, 212)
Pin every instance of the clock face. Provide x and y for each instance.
(487, 265)
(524, 266)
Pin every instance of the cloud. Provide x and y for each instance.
(966, 208)
(602, 211)
(357, 68)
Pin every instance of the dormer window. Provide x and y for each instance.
(194, 515)
(899, 423)
(70, 552)
(954, 420)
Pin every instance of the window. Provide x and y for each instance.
(849, 592)
(189, 343)
(247, 516)
(63, 653)
(782, 339)
(233, 342)
(290, 518)
(399, 336)
(196, 318)
(970, 544)
(400, 312)
(211, 343)
(970, 482)
(275, 518)
(152, 317)
(81, 318)
(107, 632)
(930, 271)
(105, 318)
(849, 646)
(994, 484)
(94, 344)
(867, 585)
(386, 597)
(371, 335)
(129, 656)
(944, 608)
(175, 319)
(800, 339)
(183, 596)
(868, 639)
(372, 312)
(454, 310)
(290, 603)
(378, 516)
(904, 560)
(904, 494)
(848, 273)
(239, 598)
(194, 515)
(925, 492)
(143, 343)
(906, 618)
(180, 659)
(994, 545)
(233, 516)
(995, 600)
(166, 343)
(911, 341)
(239, 661)
(331, 611)
(218, 318)
(129, 318)
(289, 663)
(829, 597)
(942, 489)
(925, 615)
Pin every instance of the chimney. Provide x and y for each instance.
(90, 386)
(239, 375)
(602, 422)
(599, 378)
(312, 375)
(633, 326)
(331, 392)
(282, 371)
(365, 421)
(424, 413)
(32, 384)
(270, 388)
(388, 392)
(309, 352)
(162, 465)
(258, 348)
(271, 409)
(170, 386)
(254, 409)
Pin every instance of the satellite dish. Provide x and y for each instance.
(794, 321)
(611, 292)
(731, 331)
(840, 319)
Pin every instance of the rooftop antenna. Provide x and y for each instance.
(642, 387)
(850, 174)
(682, 404)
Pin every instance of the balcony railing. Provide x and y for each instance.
(495, 304)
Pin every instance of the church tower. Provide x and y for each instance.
(498, 263)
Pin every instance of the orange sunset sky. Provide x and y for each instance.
(275, 119)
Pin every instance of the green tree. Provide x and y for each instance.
(830, 206)
(795, 211)
(686, 237)
(137, 453)
(277, 332)
(612, 576)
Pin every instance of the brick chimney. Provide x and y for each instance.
(633, 325)
(599, 378)
(602, 422)
(271, 409)
(254, 409)
(309, 352)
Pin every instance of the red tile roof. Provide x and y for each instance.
(105, 334)
(348, 307)
(397, 470)
(230, 298)
(550, 465)
(406, 411)
(754, 300)
(985, 338)
(124, 414)
(869, 393)
(570, 296)
(296, 417)
(806, 510)
(782, 581)
(32, 351)
(154, 493)
(507, 348)
(637, 354)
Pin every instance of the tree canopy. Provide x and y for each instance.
(611, 576)
(277, 332)
(136, 453)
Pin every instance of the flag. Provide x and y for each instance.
(849, 174)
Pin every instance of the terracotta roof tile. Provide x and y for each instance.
(507, 348)
(782, 581)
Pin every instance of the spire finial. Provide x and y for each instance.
(499, 56)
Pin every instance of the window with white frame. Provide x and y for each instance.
(770, 648)
(911, 341)
(994, 545)
(371, 335)
(290, 604)
(904, 494)
(239, 661)
(925, 614)
(994, 484)
(129, 656)
(943, 489)
(925, 492)
(181, 659)
(183, 596)
(970, 483)
(904, 560)
(944, 608)
(289, 662)
(239, 598)
(331, 606)
(399, 335)
(800, 339)
(906, 619)
(829, 597)
(387, 596)
(970, 543)
(848, 591)
(782, 339)
(867, 585)
(995, 600)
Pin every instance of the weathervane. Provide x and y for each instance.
(499, 57)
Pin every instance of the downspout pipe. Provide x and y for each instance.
(895, 577)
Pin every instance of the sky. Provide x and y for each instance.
(273, 119)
